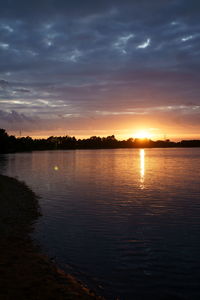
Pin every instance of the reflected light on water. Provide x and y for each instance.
(142, 168)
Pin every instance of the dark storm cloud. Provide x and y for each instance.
(14, 117)
(77, 58)
(3, 84)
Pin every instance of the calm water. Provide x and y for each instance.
(127, 221)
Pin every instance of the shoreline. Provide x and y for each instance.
(25, 272)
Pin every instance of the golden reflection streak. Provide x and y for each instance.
(142, 168)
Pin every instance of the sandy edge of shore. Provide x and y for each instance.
(25, 272)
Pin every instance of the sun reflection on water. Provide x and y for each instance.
(142, 168)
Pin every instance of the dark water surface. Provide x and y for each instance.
(126, 221)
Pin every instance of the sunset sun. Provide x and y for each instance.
(143, 134)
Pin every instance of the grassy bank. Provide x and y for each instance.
(25, 273)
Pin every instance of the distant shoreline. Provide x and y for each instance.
(25, 272)
(11, 144)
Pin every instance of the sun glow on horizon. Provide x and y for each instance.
(143, 134)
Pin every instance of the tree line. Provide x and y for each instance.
(10, 143)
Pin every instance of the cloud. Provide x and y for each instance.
(3, 83)
(122, 42)
(22, 90)
(14, 117)
(145, 44)
(74, 58)
(187, 38)
(4, 46)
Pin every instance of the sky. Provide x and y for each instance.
(87, 68)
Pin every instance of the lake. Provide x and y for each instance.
(125, 221)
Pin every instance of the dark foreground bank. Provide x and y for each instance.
(25, 273)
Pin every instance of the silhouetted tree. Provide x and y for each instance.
(3, 141)
(13, 144)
